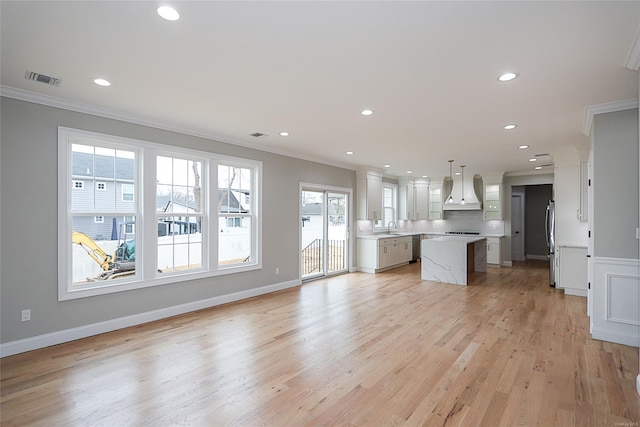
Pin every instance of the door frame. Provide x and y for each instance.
(307, 186)
(519, 252)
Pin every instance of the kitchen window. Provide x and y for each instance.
(196, 216)
(389, 206)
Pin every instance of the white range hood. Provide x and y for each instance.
(470, 196)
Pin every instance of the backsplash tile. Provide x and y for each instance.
(453, 221)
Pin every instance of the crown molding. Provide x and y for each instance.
(633, 56)
(610, 107)
(79, 107)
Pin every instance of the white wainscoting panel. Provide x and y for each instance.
(616, 300)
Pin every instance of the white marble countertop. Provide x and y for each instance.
(420, 233)
(461, 239)
(388, 236)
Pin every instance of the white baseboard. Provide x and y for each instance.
(616, 337)
(575, 292)
(538, 257)
(507, 263)
(59, 337)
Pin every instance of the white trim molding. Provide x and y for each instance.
(59, 337)
(616, 291)
(610, 107)
(79, 107)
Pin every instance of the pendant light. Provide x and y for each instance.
(462, 202)
(449, 200)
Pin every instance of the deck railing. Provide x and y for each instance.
(312, 257)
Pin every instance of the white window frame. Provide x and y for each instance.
(99, 184)
(99, 219)
(254, 214)
(379, 226)
(76, 186)
(146, 231)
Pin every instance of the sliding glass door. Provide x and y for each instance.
(324, 232)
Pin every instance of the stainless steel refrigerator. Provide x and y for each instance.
(550, 231)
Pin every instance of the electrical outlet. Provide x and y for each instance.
(26, 315)
(277, 271)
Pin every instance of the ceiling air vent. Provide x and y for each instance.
(258, 134)
(37, 77)
(544, 158)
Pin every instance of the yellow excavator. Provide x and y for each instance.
(121, 263)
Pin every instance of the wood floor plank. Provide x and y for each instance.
(353, 350)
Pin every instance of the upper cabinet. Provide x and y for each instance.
(413, 199)
(492, 206)
(421, 202)
(435, 200)
(369, 194)
(406, 199)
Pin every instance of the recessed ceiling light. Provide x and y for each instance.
(533, 159)
(284, 134)
(425, 176)
(168, 13)
(538, 168)
(507, 77)
(509, 126)
(387, 166)
(102, 82)
(366, 112)
(409, 171)
(349, 152)
(457, 173)
(522, 147)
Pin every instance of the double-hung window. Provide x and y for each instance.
(180, 214)
(151, 214)
(236, 214)
(389, 205)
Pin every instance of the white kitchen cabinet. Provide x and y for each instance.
(406, 199)
(421, 201)
(494, 251)
(583, 212)
(492, 204)
(376, 255)
(435, 201)
(572, 270)
(405, 249)
(369, 194)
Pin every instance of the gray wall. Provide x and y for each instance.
(536, 200)
(615, 181)
(28, 225)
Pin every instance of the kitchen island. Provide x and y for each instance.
(451, 259)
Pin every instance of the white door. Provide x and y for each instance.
(517, 229)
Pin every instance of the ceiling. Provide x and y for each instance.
(428, 70)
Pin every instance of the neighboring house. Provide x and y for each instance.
(105, 183)
(102, 183)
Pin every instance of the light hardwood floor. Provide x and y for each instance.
(358, 349)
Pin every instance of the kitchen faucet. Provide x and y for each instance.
(389, 226)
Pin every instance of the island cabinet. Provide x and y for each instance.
(453, 259)
(375, 255)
